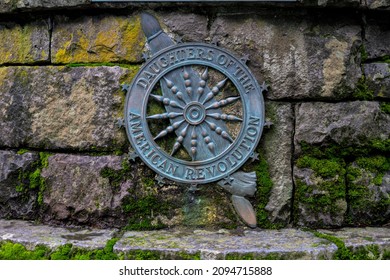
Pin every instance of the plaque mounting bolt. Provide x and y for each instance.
(120, 123)
(179, 39)
(145, 56)
(133, 156)
(245, 59)
(264, 87)
(228, 180)
(268, 124)
(254, 156)
(160, 180)
(125, 87)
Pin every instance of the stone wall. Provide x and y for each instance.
(324, 163)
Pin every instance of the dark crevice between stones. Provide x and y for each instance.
(291, 220)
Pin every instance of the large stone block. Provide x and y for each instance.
(24, 43)
(103, 38)
(61, 107)
(299, 55)
(77, 192)
(17, 198)
(355, 123)
(276, 144)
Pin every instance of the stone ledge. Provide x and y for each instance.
(31, 235)
(183, 243)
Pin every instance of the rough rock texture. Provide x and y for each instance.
(369, 192)
(77, 191)
(24, 43)
(377, 4)
(377, 36)
(222, 244)
(190, 27)
(345, 123)
(7, 6)
(103, 38)
(374, 242)
(61, 107)
(298, 56)
(276, 144)
(320, 199)
(16, 200)
(31, 235)
(378, 78)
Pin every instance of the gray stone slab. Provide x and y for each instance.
(31, 235)
(356, 238)
(223, 244)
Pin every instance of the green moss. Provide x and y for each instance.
(385, 107)
(15, 251)
(369, 252)
(324, 195)
(22, 151)
(143, 255)
(363, 53)
(116, 177)
(264, 187)
(323, 167)
(362, 91)
(142, 209)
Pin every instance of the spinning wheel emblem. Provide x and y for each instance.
(194, 113)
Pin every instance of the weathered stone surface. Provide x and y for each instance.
(190, 27)
(378, 79)
(223, 244)
(346, 123)
(7, 6)
(377, 4)
(77, 192)
(31, 235)
(103, 38)
(301, 56)
(27, 43)
(276, 144)
(373, 242)
(320, 199)
(377, 36)
(369, 191)
(61, 107)
(15, 200)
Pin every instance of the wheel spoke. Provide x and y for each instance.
(225, 117)
(223, 102)
(169, 129)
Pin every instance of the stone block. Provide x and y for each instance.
(355, 123)
(276, 144)
(61, 107)
(24, 43)
(97, 39)
(79, 192)
(223, 244)
(299, 55)
(17, 199)
(32, 235)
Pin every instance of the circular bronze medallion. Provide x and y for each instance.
(194, 113)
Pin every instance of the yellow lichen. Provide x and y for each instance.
(110, 39)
